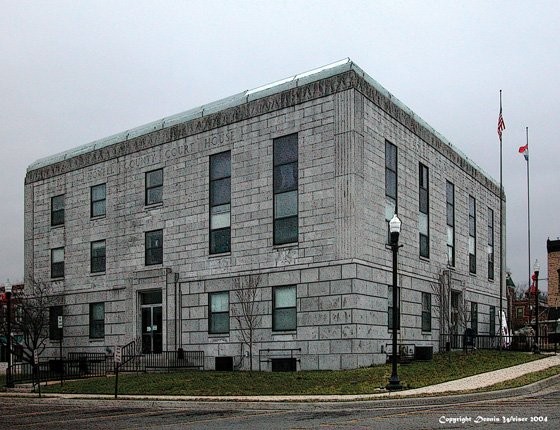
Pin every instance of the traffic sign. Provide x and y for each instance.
(118, 354)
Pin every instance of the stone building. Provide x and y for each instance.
(144, 233)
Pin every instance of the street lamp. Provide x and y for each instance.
(536, 269)
(8, 290)
(395, 230)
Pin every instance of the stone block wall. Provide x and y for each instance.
(340, 264)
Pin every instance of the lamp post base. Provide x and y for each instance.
(394, 384)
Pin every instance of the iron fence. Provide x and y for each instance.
(169, 360)
(56, 369)
(80, 365)
(512, 343)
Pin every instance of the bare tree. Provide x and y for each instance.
(442, 293)
(451, 319)
(247, 312)
(30, 317)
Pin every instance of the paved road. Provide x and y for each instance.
(526, 412)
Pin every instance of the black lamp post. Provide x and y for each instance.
(536, 269)
(8, 290)
(395, 230)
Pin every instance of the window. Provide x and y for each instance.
(492, 321)
(55, 333)
(474, 316)
(390, 183)
(424, 210)
(390, 307)
(57, 210)
(154, 247)
(57, 263)
(97, 256)
(472, 234)
(519, 312)
(218, 317)
(97, 320)
(426, 312)
(220, 203)
(285, 187)
(284, 315)
(450, 209)
(490, 244)
(98, 198)
(154, 187)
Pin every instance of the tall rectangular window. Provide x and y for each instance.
(391, 179)
(55, 333)
(98, 200)
(285, 187)
(97, 256)
(492, 328)
(450, 211)
(57, 210)
(390, 307)
(57, 263)
(154, 187)
(153, 247)
(472, 234)
(424, 211)
(97, 320)
(284, 314)
(218, 315)
(490, 244)
(220, 203)
(474, 316)
(426, 312)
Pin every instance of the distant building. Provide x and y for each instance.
(3, 327)
(144, 233)
(553, 251)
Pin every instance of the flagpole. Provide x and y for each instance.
(501, 232)
(528, 213)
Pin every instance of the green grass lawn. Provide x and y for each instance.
(359, 381)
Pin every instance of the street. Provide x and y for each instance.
(540, 410)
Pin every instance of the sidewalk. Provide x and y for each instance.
(459, 385)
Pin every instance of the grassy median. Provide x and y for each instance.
(359, 381)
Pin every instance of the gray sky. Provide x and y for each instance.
(76, 71)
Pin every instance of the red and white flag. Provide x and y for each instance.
(525, 151)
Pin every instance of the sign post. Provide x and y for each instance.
(118, 361)
(36, 370)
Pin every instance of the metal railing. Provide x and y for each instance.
(512, 343)
(91, 364)
(170, 360)
(131, 354)
(78, 367)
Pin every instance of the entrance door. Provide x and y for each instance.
(151, 322)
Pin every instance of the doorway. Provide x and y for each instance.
(151, 310)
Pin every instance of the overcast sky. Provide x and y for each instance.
(76, 71)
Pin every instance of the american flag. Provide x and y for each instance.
(501, 124)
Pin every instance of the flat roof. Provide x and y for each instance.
(262, 91)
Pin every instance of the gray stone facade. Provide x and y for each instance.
(340, 264)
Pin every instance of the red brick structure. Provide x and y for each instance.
(553, 249)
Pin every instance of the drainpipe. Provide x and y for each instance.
(176, 282)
